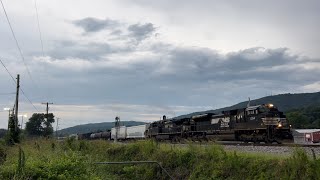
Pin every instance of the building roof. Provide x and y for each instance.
(307, 130)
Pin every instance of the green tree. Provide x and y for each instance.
(47, 125)
(40, 125)
(297, 120)
(13, 135)
(308, 117)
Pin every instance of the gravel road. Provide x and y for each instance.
(277, 150)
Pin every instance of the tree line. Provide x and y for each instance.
(305, 118)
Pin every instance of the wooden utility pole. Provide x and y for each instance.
(9, 119)
(17, 104)
(117, 128)
(47, 109)
(57, 127)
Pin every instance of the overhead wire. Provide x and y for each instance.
(16, 41)
(40, 37)
(19, 49)
(13, 79)
(28, 99)
(40, 34)
(5, 67)
(20, 52)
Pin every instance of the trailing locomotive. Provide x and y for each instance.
(261, 123)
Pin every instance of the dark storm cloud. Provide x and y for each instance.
(166, 74)
(88, 51)
(187, 64)
(141, 31)
(137, 31)
(91, 24)
(123, 39)
(250, 64)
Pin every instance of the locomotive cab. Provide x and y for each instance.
(273, 117)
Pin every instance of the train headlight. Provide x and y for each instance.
(279, 125)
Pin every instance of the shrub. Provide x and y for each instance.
(3, 152)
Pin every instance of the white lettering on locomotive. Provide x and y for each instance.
(225, 122)
(252, 118)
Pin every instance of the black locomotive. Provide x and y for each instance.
(261, 123)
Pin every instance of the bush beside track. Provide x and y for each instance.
(70, 159)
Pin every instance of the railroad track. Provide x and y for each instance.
(236, 143)
(240, 143)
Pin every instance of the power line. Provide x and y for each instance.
(17, 44)
(8, 71)
(40, 35)
(24, 94)
(20, 51)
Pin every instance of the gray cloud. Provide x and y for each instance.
(164, 74)
(243, 24)
(141, 31)
(255, 64)
(168, 74)
(91, 24)
(85, 50)
(118, 31)
(187, 64)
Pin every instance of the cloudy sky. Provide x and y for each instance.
(140, 59)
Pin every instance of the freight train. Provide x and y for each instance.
(260, 123)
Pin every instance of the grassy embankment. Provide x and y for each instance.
(48, 159)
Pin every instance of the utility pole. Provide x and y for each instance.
(117, 125)
(47, 109)
(17, 104)
(57, 127)
(9, 119)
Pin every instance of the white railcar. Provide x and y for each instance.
(122, 132)
(136, 132)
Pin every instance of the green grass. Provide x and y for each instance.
(71, 159)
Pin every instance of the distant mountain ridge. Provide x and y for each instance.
(284, 102)
(94, 127)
